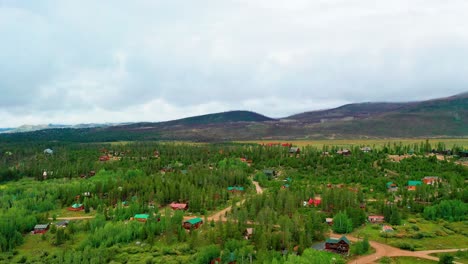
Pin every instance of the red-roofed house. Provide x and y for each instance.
(376, 218)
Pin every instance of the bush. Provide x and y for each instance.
(446, 259)
(404, 245)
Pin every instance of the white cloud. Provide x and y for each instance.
(115, 61)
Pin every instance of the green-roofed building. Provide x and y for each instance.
(141, 217)
(340, 245)
(76, 207)
(193, 223)
(414, 183)
(235, 189)
(391, 186)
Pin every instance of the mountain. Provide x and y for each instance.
(30, 128)
(443, 117)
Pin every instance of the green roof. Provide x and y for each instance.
(77, 205)
(414, 183)
(235, 188)
(389, 184)
(336, 240)
(194, 221)
(288, 179)
(141, 216)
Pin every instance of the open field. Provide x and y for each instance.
(449, 142)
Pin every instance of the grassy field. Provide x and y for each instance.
(449, 142)
(461, 256)
(406, 260)
(420, 234)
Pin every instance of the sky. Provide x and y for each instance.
(70, 62)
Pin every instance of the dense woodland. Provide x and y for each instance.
(145, 178)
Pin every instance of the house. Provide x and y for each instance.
(92, 173)
(430, 180)
(62, 224)
(48, 151)
(366, 149)
(376, 218)
(344, 152)
(40, 229)
(235, 189)
(340, 245)
(294, 150)
(248, 233)
(193, 223)
(285, 186)
(412, 185)
(179, 206)
(392, 187)
(329, 221)
(270, 173)
(387, 228)
(141, 217)
(44, 175)
(76, 207)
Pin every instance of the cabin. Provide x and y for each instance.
(392, 187)
(412, 185)
(431, 180)
(329, 221)
(344, 152)
(270, 173)
(92, 173)
(376, 218)
(40, 229)
(179, 206)
(340, 245)
(141, 217)
(76, 207)
(48, 151)
(62, 224)
(248, 233)
(387, 228)
(366, 149)
(193, 223)
(294, 150)
(234, 189)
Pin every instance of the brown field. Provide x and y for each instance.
(449, 142)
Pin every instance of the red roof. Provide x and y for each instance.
(178, 206)
(315, 202)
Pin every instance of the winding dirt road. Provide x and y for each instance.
(383, 250)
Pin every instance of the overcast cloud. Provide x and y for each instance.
(74, 62)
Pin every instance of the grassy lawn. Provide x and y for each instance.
(406, 260)
(449, 142)
(461, 256)
(65, 213)
(442, 235)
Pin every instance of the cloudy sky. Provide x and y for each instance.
(116, 61)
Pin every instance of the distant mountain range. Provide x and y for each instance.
(30, 128)
(443, 117)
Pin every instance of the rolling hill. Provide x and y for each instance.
(443, 117)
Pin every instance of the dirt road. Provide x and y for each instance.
(383, 250)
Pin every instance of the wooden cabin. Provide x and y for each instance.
(340, 245)
(193, 223)
(40, 229)
(179, 206)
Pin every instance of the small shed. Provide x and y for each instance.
(62, 224)
(387, 228)
(412, 185)
(193, 223)
(329, 221)
(376, 218)
(179, 206)
(294, 150)
(40, 229)
(270, 173)
(248, 233)
(48, 151)
(392, 187)
(76, 207)
(340, 245)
